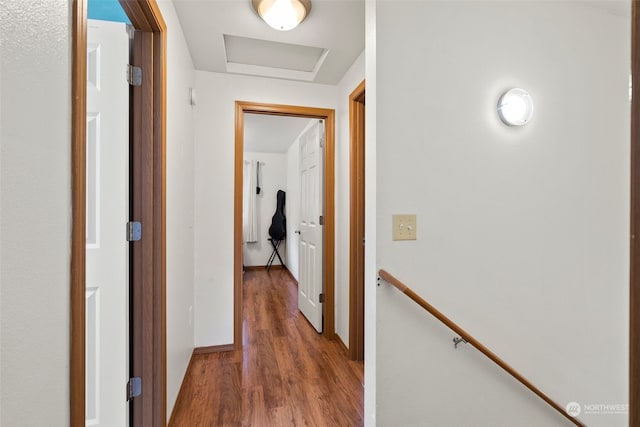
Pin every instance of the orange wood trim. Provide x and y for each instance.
(136, 15)
(237, 226)
(160, 216)
(78, 228)
(214, 349)
(634, 274)
(284, 110)
(329, 231)
(356, 225)
(242, 107)
(263, 267)
(144, 15)
(143, 289)
(474, 342)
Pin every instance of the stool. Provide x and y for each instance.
(275, 243)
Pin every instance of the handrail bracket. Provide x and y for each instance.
(457, 340)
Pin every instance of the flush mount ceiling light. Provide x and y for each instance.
(515, 107)
(283, 15)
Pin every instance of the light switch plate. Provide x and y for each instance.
(405, 227)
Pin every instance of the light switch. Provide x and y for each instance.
(405, 227)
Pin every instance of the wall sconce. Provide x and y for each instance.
(515, 107)
(283, 15)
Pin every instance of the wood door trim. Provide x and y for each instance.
(145, 15)
(328, 116)
(212, 349)
(356, 224)
(634, 255)
(78, 226)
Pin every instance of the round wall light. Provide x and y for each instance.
(515, 107)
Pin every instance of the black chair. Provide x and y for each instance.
(278, 230)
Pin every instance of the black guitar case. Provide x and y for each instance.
(278, 229)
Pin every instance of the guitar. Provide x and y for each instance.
(278, 229)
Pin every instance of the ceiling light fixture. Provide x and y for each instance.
(283, 15)
(515, 107)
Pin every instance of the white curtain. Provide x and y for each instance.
(249, 212)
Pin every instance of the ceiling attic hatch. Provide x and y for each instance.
(272, 59)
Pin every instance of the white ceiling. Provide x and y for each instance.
(227, 36)
(271, 134)
(332, 37)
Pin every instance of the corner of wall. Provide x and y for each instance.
(371, 274)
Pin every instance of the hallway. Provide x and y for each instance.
(287, 374)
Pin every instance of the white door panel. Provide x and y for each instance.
(311, 201)
(107, 210)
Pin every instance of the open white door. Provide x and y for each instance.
(107, 278)
(311, 210)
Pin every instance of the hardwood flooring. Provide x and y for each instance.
(286, 375)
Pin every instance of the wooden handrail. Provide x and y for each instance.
(474, 342)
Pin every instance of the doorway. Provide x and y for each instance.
(270, 155)
(328, 116)
(147, 205)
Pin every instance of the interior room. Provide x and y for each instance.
(499, 198)
(272, 142)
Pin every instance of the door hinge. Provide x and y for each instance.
(321, 220)
(134, 75)
(134, 387)
(321, 298)
(134, 231)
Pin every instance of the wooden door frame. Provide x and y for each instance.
(634, 273)
(241, 108)
(356, 225)
(148, 177)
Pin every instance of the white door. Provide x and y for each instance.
(311, 208)
(107, 278)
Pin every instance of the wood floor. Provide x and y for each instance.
(286, 375)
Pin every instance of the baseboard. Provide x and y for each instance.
(262, 267)
(213, 349)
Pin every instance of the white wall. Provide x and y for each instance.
(214, 169)
(180, 201)
(350, 81)
(35, 211)
(370, 223)
(273, 177)
(522, 232)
